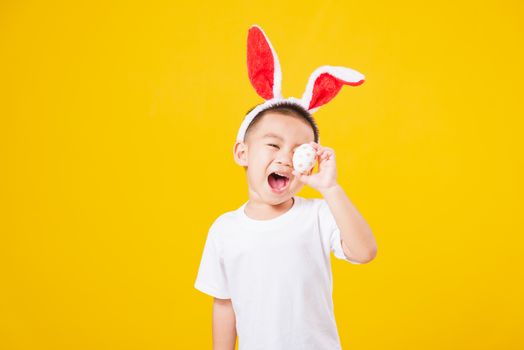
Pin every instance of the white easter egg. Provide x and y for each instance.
(304, 158)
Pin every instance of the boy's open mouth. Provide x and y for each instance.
(277, 182)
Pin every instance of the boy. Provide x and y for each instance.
(267, 263)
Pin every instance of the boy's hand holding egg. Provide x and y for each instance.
(304, 160)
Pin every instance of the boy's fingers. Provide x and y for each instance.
(327, 152)
(315, 145)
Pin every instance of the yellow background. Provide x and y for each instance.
(117, 126)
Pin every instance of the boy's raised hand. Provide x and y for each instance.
(326, 176)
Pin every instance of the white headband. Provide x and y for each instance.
(266, 77)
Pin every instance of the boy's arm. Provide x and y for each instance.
(356, 238)
(353, 227)
(224, 325)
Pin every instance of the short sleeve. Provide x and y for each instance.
(211, 277)
(329, 226)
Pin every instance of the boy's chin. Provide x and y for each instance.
(275, 198)
(278, 201)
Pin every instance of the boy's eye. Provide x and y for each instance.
(270, 144)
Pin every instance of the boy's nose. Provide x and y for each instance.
(284, 162)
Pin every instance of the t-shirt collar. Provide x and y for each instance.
(271, 223)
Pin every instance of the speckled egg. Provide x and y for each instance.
(304, 158)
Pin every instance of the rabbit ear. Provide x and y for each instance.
(325, 83)
(263, 65)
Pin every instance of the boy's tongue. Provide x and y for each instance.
(276, 181)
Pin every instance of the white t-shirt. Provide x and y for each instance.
(277, 274)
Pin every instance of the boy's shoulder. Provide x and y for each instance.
(225, 219)
(310, 203)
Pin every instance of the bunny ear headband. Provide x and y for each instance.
(266, 77)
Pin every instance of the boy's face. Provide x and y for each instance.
(269, 149)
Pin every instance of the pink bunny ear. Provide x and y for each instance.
(325, 83)
(263, 65)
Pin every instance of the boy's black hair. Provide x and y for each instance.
(286, 108)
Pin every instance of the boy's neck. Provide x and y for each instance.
(259, 210)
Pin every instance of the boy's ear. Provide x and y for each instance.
(240, 153)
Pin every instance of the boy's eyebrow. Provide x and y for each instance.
(270, 134)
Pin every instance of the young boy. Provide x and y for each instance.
(267, 263)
